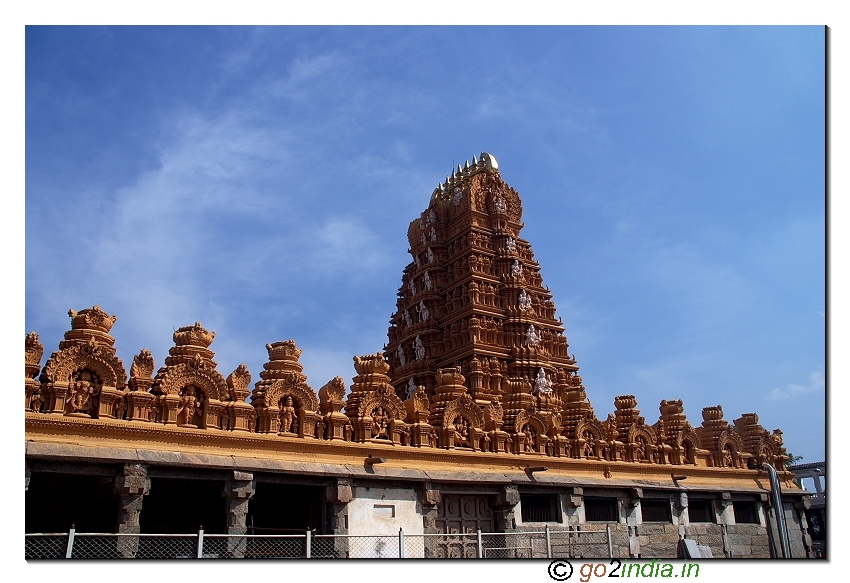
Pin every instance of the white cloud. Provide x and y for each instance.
(816, 383)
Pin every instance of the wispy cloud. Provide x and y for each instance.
(816, 383)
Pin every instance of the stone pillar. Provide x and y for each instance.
(238, 490)
(504, 509)
(632, 513)
(430, 497)
(131, 487)
(801, 505)
(727, 516)
(573, 502)
(337, 495)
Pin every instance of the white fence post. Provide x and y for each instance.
(308, 546)
(201, 542)
(548, 544)
(70, 548)
(401, 543)
(610, 546)
(480, 547)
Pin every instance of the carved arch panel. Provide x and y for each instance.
(301, 393)
(385, 398)
(66, 363)
(177, 377)
(465, 407)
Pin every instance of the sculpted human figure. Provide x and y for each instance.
(524, 300)
(416, 260)
(80, 397)
(287, 416)
(400, 353)
(188, 406)
(611, 427)
(427, 280)
(532, 337)
(411, 388)
(589, 445)
(433, 234)
(461, 431)
(430, 255)
(412, 287)
(379, 423)
(419, 348)
(516, 268)
(407, 319)
(458, 196)
(510, 244)
(727, 458)
(529, 438)
(499, 204)
(541, 383)
(639, 451)
(423, 311)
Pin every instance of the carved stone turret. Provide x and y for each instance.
(139, 402)
(285, 404)
(84, 378)
(762, 446)
(189, 389)
(418, 409)
(239, 414)
(721, 440)
(330, 404)
(33, 351)
(373, 408)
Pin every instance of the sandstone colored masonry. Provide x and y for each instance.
(474, 391)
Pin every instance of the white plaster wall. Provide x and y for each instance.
(383, 511)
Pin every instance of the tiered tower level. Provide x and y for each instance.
(473, 295)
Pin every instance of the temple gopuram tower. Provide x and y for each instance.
(473, 297)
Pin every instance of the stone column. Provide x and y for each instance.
(336, 497)
(574, 501)
(238, 490)
(727, 516)
(633, 515)
(131, 487)
(430, 498)
(504, 509)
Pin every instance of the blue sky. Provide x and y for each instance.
(261, 180)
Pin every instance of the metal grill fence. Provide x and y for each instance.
(572, 543)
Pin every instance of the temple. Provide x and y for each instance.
(473, 417)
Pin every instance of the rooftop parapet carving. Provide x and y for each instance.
(190, 390)
(475, 350)
(33, 351)
(284, 403)
(84, 378)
